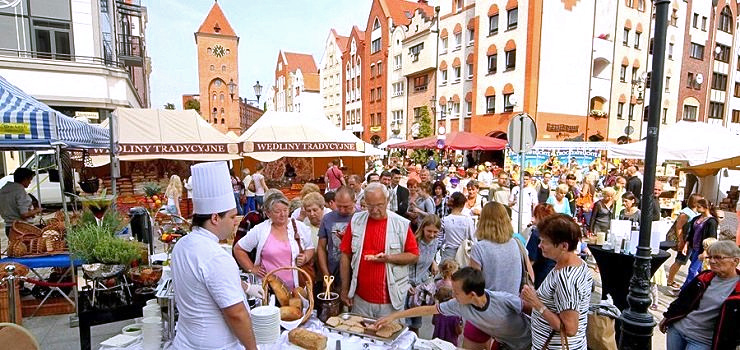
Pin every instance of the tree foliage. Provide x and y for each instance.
(192, 104)
(426, 129)
(169, 105)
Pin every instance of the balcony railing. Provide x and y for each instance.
(51, 56)
(130, 50)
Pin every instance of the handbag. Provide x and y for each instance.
(423, 293)
(600, 332)
(251, 187)
(308, 267)
(563, 339)
(526, 266)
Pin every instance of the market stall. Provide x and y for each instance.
(455, 140)
(301, 143)
(153, 144)
(27, 124)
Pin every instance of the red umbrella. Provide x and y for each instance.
(456, 140)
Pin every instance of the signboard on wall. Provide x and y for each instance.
(299, 146)
(536, 158)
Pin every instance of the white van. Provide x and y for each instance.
(50, 188)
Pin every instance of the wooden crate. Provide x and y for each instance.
(52, 306)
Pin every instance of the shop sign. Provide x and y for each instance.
(375, 128)
(561, 128)
(87, 115)
(299, 146)
(15, 128)
(534, 159)
(173, 149)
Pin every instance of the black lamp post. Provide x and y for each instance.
(637, 322)
(258, 91)
(639, 84)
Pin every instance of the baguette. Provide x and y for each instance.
(289, 313)
(307, 339)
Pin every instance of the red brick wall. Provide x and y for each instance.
(377, 81)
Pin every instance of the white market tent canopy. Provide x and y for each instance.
(146, 134)
(26, 123)
(300, 134)
(572, 145)
(693, 142)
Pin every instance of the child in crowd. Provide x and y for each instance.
(703, 256)
(447, 328)
(446, 269)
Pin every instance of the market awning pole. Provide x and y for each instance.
(637, 322)
(114, 170)
(38, 179)
(73, 319)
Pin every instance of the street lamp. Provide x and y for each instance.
(638, 84)
(258, 91)
(232, 88)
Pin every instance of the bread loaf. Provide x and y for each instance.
(307, 339)
(290, 313)
(281, 291)
(296, 302)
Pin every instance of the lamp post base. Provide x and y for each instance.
(637, 322)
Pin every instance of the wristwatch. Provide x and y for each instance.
(541, 310)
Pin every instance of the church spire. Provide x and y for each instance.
(216, 23)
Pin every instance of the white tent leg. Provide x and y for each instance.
(58, 152)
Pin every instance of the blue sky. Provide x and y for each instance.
(264, 28)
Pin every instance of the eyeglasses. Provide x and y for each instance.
(375, 206)
(718, 257)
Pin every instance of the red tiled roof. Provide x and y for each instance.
(311, 82)
(300, 60)
(341, 40)
(216, 22)
(401, 11)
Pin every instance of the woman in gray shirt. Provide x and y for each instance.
(422, 282)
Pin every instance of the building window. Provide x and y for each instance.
(380, 68)
(456, 71)
(667, 84)
(641, 5)
(455, 110)
(458, 40)
(648, 78)
(223, 68)
(397, 117)
(690, 80)
(695, 22)
(716, 110)
(512, 18)
(508, 106)
(376, 24)
(704, 23)
(697, 51)
(375, 46)
(380, 94)
(380, 119)
(630, 3)
(689, 112)
(737, 90)
(735, 116)
(490, 104)
(510, 60)
(459, 5)
(626, 37)
(372, 95)
(213, 68)
(444, 45)
(398, 89)
(52, 39)
(471, 37)
(372, 119)
(637, 40)
(631, 113)
(492, 60)
(420, 83)
(723, 54)
(372, 70)
(623, 74)
(221, 98)
(719, 81)
(415, 50)
(444, 77)
(493, 25)
(417, 114)
(664, 119)
(397, 62)
(468, 108)
(725, 20)
(670, 51)
(674, 18)
(620, 109)
(634, 73)
(470, 71)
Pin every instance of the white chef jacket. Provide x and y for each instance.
(206, 280)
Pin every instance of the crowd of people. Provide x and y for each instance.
(407, 241)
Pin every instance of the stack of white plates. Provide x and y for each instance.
(266, 324)
(151, 310)
(152, 333)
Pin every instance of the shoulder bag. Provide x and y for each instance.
(563, 339)
(308, 267)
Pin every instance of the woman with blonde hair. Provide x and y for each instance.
(421, 274)
(558, 200)
(173, 194)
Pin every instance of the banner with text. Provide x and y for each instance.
(185, 148)
(299, 146)
(536, 158)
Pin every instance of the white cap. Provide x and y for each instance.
(212, 191)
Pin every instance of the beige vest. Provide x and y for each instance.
(397, 276)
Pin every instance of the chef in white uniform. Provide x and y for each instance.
(209, 294)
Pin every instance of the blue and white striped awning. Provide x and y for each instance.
(27, 123)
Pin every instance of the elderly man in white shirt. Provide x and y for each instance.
(209, 293)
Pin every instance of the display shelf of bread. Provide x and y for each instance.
(365, 327)
(291, 301)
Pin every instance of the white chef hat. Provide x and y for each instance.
(212, 191)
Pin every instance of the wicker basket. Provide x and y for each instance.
(20, 270)
(24, 239)
(309, 290)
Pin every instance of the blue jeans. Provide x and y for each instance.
(258, 201)
(694, 267)
(239, 210)
(675, 340)
(249, 206)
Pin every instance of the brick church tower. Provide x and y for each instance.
(217, 68)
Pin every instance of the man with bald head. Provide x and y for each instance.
(377, 247)
(634, 184)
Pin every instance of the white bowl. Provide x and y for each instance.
(152, 302)
(128, 330)
(151, 320)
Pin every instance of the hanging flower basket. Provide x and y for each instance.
(598, 113)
